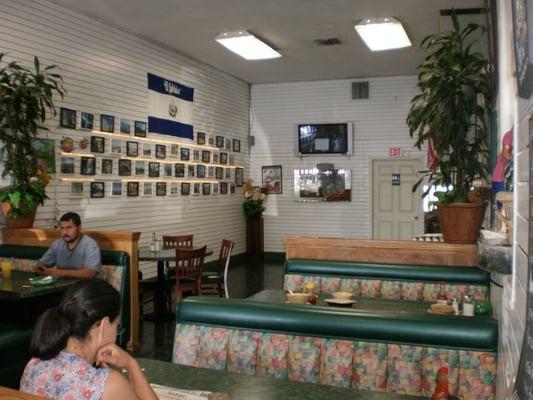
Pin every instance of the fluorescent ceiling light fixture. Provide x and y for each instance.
(382, 33)
(246, 45)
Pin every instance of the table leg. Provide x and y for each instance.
(160, 314)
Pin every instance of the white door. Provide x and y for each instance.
(397, 210)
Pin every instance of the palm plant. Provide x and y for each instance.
(451, 112)
(26, 95)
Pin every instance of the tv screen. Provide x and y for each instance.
(323, 138)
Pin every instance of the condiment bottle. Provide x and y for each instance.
(152, 242)
(442, 298)
(441, 390)
(455, 306)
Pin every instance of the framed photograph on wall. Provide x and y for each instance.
(239, 175)
(179, 170)
(124, 167)
(87, 120)
(223, 188)
(523, 42)
(161, 189)
(125, 126)
(206, 188)
(147, 189)
(67, 118)
(200, 171)
(220, 142)
(200, 138)
(106, 166)
(236, 145)
(174, 150)
(139, 129)
(228, 144)
(184, 154)
(219, 173)
(116, 188)
(116, 146)
(185, 188)
(107, 123)
(167, 169)
(139, 168)
(173, 189)
(67, 165)
(206, 156)
(223, 158)
(147, 149)
(97, 144)
(153, 169)
(160, 151)
(97, 190)
(76, 189)
(88, 166)
(190, 170)
(132, 189)
(132, 149)
(45, 150)
(272, 178)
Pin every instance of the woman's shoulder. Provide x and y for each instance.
(118, 387)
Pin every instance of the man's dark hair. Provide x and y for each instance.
(71, 216)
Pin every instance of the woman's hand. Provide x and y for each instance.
(112, 354)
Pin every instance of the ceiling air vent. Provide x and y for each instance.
(327, 42)
(360, 90)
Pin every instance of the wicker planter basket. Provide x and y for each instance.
(461, 222)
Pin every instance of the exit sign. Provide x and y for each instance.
(395, 151)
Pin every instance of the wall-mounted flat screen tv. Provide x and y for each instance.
(323, 138)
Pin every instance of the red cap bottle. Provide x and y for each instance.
(441, 390)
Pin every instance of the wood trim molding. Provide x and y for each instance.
(381, 251)
(107, 240)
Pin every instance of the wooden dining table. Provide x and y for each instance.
(162, 256)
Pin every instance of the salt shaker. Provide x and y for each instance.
(455, 306)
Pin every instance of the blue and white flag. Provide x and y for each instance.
(169, 107)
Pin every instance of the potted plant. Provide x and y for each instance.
(26, 95)
(253, 210)
(450, 116)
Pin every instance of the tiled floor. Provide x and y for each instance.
(244, 280)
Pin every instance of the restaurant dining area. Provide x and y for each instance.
(240, 200)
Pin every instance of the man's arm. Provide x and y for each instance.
(67, 273)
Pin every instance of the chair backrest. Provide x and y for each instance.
(191, 263)
(225, 255)
(174, 241)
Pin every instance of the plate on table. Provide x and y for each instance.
(42, 280)
(340, 302)
(441, 309)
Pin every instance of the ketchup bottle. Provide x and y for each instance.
(441, 390)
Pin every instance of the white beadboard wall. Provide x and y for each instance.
(379, 123)
(105, 72)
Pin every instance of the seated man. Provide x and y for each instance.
(74, 255)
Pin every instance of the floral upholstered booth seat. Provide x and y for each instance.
(387, 281)
(366, 351)
(115, 270)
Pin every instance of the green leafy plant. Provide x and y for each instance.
(26, 95)
(254, 198)
(451, 112)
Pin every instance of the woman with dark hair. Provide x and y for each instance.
(72, 337)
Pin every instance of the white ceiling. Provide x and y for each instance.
(190, 26)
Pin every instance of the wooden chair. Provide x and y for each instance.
(219, 278)
(189, 272)
(173, 242)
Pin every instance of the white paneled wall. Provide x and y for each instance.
(105, 72)
(379, 123)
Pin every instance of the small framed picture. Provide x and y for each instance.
(223, 158)
(161, 189)
(227, 173)
(200, 171)
(206, 156)
(184, 153)
(132, 189)
(167, 168)
(116, 188)
(107, 123)
(124, 167)
(76, 189)
(232, 188)
(139, 129)
(190, 170)
(215, 188)
(179, 170)
(220, 142)
(147, 149)
(132, 149)
(236, 145)
(196, 155)
(223, 188)
(139, 168)
(67, 165)
(147, 189)
(196, 189)
(160, 151)
(185, 188)
(228, 144)
(87, 120)
(239, 173)
(116, 146)
(272, 178)
(153, 169)
(211, 141)
(206, 188)
(173, 191)
(97, 190)
(174, 150)
(219, 173)
(88, 166)
(215, 158)
(97, 144)
(67, 118)
(106, 166)
(125, 126)
(200, 137)
(211, 172)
